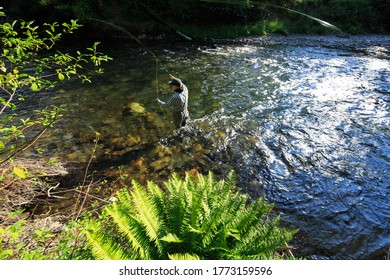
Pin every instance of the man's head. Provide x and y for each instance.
(175, 83)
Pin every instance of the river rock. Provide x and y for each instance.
(77, 157)
(193, 172)
(136, 107)
(198, 147)
(139, 165)
(161, 163)
(132, 140)
(116, 141)
(68, 136)
(160, 151)
(155, 120)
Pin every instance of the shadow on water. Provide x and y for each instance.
(304, 122)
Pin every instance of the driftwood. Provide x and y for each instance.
(17, 193)
(163, 22)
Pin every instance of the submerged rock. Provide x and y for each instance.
(132, 140)
(136, 107)
(161, 163)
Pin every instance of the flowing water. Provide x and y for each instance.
(303, 120)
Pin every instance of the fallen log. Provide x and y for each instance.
(163, 22)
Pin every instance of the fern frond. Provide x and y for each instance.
(222, 213)
(131, 229)
(104, 247)
(184, 257)
(147, 215)
(171, 238)
(263, 240)
(250, 215)
(177, 205)
(159, 199)
(195, 211)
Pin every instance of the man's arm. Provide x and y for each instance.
(173, 101)
(161, 103)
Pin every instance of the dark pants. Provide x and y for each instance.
(180, 118)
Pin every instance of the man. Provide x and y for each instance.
(178, 102)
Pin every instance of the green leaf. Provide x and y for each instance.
(61, 76)
(34, 87)
(5, 253)
(15, 213)
(19, 172)
(171, 238)
(185, 257)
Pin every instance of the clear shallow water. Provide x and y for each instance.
(304, 122)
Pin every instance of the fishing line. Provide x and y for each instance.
(265, 4)
(157, 82)
(142, 45)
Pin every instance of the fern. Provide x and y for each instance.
(146, 214)
(184, 257)
(194, 218)
(129, 229)
(104, 248)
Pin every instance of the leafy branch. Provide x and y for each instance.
(28, 65)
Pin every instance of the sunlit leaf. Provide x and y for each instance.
(184, 257)
(61, 76)
(34, 87)
(19, 172)
(171, 238)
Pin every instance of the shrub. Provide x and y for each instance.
(29, 64)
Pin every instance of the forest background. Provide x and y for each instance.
(204, 18)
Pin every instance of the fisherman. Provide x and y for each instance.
(178, 102)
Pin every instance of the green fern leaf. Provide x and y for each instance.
(171, 238)
(129, 227)
(184, 257)
(103, 248)
(147, 215)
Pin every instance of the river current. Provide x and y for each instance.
(303, 121)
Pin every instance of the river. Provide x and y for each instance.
(303, 120)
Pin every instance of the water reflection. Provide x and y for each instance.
(304, 124)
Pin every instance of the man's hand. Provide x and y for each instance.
(159, 102)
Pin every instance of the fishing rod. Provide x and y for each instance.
(142, 45)
(132, 37)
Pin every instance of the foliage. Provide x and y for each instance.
(72, 244)
(363, 15)
(194, 218)
(16, 242)
(22, 239)
(28, 65)
(360, 13)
